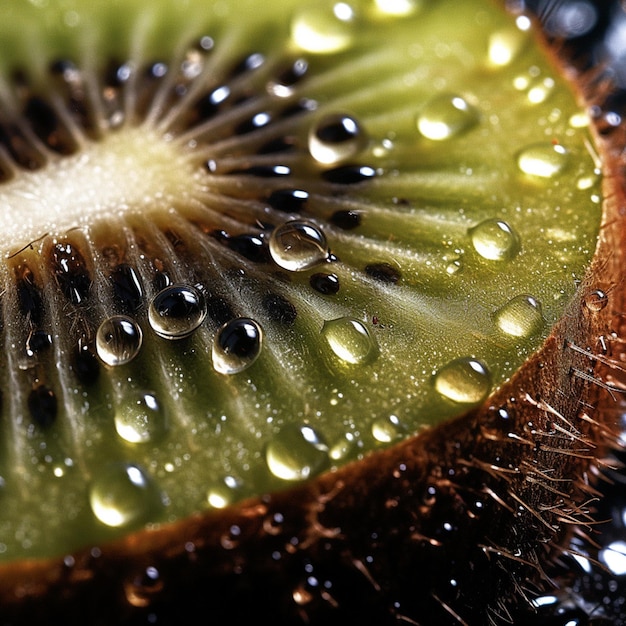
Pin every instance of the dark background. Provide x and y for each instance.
(592, 595)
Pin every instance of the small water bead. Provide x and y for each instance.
(520, 317)
(141, 418)
(543, 160)
(343, 447)
(284, 85)
(387, 429)
(236, 345)
(446, 116)
(176, 311)
(298, 245)
(465, 380)
(297, 453)
(596, 300)
(336, 137)
(124, 495)
(495, 240)
(323, 27)
(224, 492)
(141, 589)
(350, 340)
(118, 340)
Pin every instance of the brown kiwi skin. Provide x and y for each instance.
(484, 500)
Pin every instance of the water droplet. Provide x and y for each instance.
(465, 380)
(446, 116)
(118, 340)
(336, 137)
(296, 453)
(398, 8)
(140, 590)
(223, 493)
(454, 267)
(176, 311)
(124, 495)
(596, 300)
(298, 245)
(495, 240)
(504, 46)
(343, 447)
(544, 160)
(324, 27)
(284, 84)
(387, 429)
(350, 340)
(141, 418)
(520, 317)
(236, 345)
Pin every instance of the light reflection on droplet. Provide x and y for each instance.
(446, 116)
(520, 317)
(465, 380)
(323, 27)
(336, 137)
(236, 345)
(118, 340)
(298, 245)
(495, 240)
(296, 453)
(123, 494)
(544, 160)
(350, 340)
(141, 418)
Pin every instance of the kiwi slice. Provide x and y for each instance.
(297, 249)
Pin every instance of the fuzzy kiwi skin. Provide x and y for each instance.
(370, 543)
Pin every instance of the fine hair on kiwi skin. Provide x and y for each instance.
(358, 544)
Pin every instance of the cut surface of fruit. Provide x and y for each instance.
(245, 244)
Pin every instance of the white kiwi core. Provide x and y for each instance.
(136, 171)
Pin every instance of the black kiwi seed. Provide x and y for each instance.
(272, 346)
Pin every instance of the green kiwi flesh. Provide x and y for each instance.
(421, 262)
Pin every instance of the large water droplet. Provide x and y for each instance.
(118, 340)
(176, 311)
(324, 27)
(350, 340)
(446, 116)
(520, 317)
(141, 418)
(495, 240)
(124, 495)
(296, 453)
(298, 245)
(544, 160)
(465, 380)
(335, 138)
(236, 345)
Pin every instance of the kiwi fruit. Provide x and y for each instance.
(310, 311)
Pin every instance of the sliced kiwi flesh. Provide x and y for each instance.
(247, 245)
